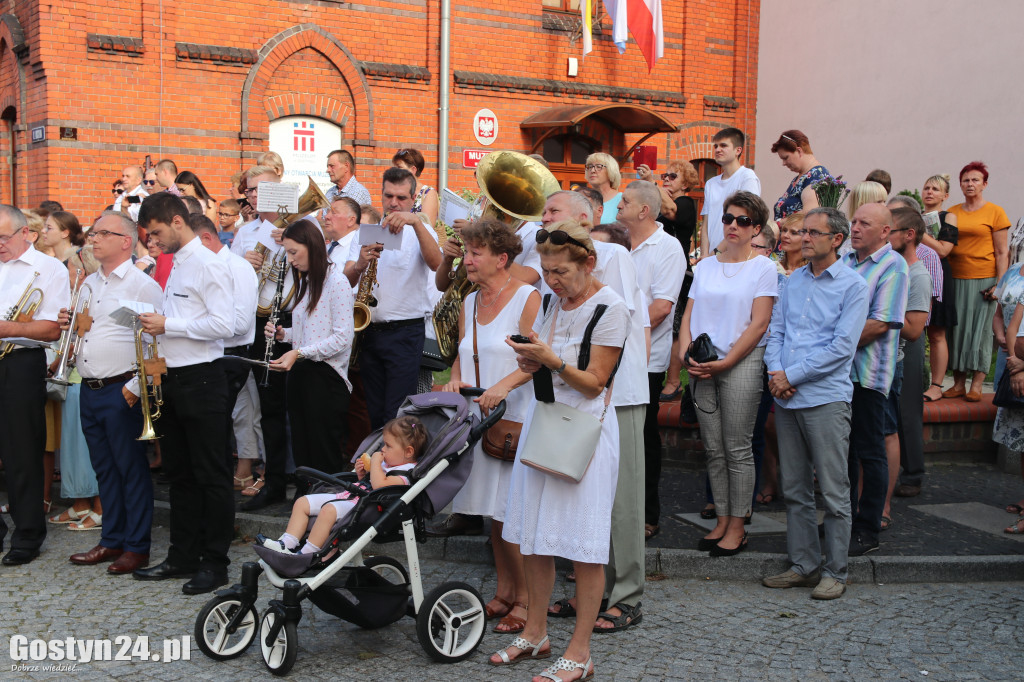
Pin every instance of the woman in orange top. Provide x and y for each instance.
(977, 262)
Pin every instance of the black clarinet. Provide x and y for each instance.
(275, 314)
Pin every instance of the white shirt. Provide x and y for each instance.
(244, 289)
(616, 269)
(723, 297)
(108, 349)
(402, 275)
(198, 305)
(53, 281)
(716, 191)
(660, 265)
(339, 254)
(530, 257)
(246, 237)
(133, 209)
(325, 334)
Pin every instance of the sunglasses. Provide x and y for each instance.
(559, 238)
(669, 176)
(116, 192)
(150, 183)
(741, 220)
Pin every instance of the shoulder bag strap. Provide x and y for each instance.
(476, 356)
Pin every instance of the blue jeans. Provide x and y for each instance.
(867, 452)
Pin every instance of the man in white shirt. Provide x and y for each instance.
(131, 179)
(660, 265)
(391, 347)
(198, 315)
(22, 391)
(248, 235)
(106, 360)
(625, 572)
(728, 148)
(341, 169)
(341, 225)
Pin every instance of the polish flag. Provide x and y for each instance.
(642, 18)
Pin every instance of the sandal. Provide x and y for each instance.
(5, 509)
(708, 513)
(650, 531)
(627, 618)
(526, 650)
(254, 489)
(1015, 529)
(97, 522)
(1014, 508)
(765, 498)
(565, 609)
(512, 624)
(240, 482)
(499, 612)
(928, 398)
(69, 515)
(669, 397)
(566, 665)
(570, 576)
(47, 506)
(886, 523)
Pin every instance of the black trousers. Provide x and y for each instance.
(318, 409)
(912, 414)
(273, 406)
(389, 363)
(22, 439)
(236, 373)
(652, 451)
(199, 469)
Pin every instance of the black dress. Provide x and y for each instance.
(944, 312)
(682, 228)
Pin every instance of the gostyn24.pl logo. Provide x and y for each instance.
(71, 650)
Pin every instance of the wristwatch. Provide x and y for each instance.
(560, 369)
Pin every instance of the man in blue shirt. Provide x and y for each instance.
(812, 342)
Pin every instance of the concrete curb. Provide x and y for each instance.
(694, 565)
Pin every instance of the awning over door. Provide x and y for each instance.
(626, 118)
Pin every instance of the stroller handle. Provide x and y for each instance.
(487, 422)
(310, 473)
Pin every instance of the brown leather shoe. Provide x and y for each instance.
(96, 555)
(128, 562)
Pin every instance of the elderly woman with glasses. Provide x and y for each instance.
(794, 150)
(731, 302)
(547, 516)
(604, 176)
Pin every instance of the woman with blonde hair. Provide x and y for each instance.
(943, 315)
(603, 175)
(867, 192)
(790, 253)
(273, 160)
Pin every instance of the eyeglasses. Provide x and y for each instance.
(741, 220)
(813, 233)
(7, 237)
(103, 233)
(669, 176)
(250, 190)
(559, 238)
(762, 247)
(227, 215)
(117, 192)
(595, 167)
(149, 182)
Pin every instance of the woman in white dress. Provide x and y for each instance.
(547, 516)
(501, 306)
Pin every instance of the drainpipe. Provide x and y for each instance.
(445, 85)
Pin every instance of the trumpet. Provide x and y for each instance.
(71, 339)
(23, 311)
(149, 372)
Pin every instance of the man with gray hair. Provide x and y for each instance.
(815, 328)
(111, 413)
(660, 265)
(134, 192)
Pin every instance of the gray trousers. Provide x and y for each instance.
(912, 414)
(727, 409)
(815, 441)
(625, 573)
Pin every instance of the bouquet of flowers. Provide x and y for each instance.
(831, 192)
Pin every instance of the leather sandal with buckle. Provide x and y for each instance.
(509, 624)
(69, 515)
(568, 666)
(97, 522)
(527, 650)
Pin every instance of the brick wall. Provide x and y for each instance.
(199, 82)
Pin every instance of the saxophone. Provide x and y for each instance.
(365, 300)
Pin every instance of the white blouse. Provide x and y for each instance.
(326, 333)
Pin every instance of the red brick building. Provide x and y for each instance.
(89, 86)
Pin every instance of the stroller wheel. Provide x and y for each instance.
(391, 569)
(278, 654)
(450, 622)
(225, 628)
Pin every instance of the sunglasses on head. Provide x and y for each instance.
(669, 176)
(559, 238)
(741, 220)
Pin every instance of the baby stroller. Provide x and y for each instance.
(377, 591)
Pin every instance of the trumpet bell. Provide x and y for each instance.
(148, 432)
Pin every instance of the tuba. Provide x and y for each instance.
(23, 311)
(149, 371)
(312, 200)
(71, 339)
(513, 190)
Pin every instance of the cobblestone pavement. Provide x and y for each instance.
(692, 629)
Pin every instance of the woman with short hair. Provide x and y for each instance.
(794, 150)
(604, 176)
(790, 245)
(426, 199)
(943, 315)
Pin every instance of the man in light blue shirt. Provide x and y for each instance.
(812, 341)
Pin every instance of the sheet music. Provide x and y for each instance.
(273, 196)
(453, 207)
(129, 312)
(377, 234)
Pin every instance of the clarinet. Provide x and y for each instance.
(275, 314)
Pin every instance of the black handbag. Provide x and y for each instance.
(701, 350)
(1004, 396)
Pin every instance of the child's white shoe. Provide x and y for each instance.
(276, 545)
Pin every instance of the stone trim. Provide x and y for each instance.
(215, 54)
(565, 22)
(720, 104)
(17, 35)
(127, 45)
(396, 72)
(303, 104)
(487, 81)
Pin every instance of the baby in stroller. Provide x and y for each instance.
(404, 439)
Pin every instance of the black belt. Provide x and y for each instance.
(395, 324)
(97, 384)
(242, 351)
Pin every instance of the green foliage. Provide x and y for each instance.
(916, 196)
